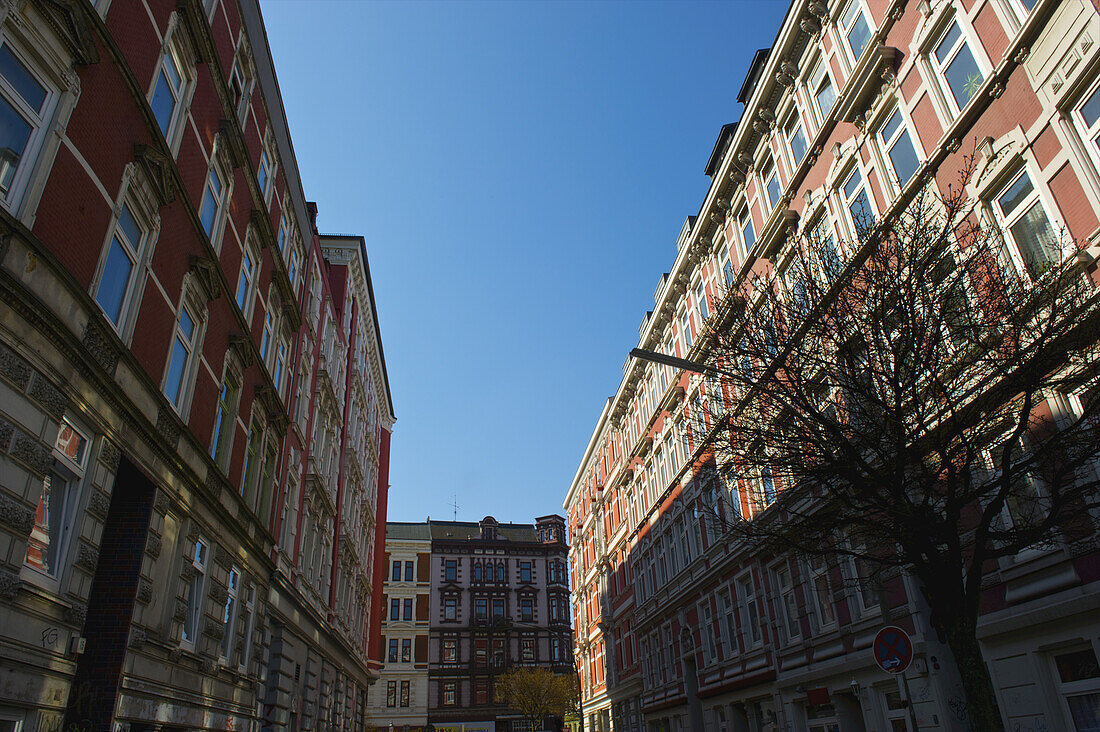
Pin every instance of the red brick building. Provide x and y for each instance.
(856, 102)
(194, 408)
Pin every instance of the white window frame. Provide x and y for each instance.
(814, 84)
(792, 128)
(182, 95)
(225, 418)
(817, 571)
(73, 472)
(248, 278)
(944, 94)
(787, 602)
(746, 601)
(39, 120)
(699, 296)
(848, 199)
(221, 198)
(886, 145)
(269, 162)
(196, 593)
(230, 614)
(766, 178)
(844, 26)
(138, 253)
(1066, 689)
(1037, 196)
(193, 347)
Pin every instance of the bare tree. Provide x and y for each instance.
(538, 693)
(913, 399)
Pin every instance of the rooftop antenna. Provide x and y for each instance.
(455, 504)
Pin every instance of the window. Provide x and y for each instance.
(56, 511)
(407, 609)
(181, 359)
(726, 265)
(526, 608)
(685, 329)
(524, 571)
(481, 608)
(229, 613)
(500, 572)
(450, 650)
(856, 28)
(708, 632)
(769, 181)
(118, 280)
(767, 486)
(395, 609)
(213, 200)
(246, 285)
(744, 228)
(823, 92)
(701, 301)
(956, 67)
(1087, 116)
(391, 693)
(264, 176)
(481, 691)
(822, 595)
(527, 648)
(898, 145)
(25, 107)
(404, 693)
(749, 616)
(498, 608)
(450, 570)
(796, 139)
(1078, 679)
(240, 85)
(449, 693)
(450, 608)
(728, 624)
(166, 99)
(249, 623)
(195, 592)
(395, 575)
(406, 650)
(221, 441)
(392, 656)
(477, 572)
(408, 571)
(1025, 226)
(859, 208)
(785, 588)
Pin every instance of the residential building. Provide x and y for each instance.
(856, 102)
(194, 409)
(499, 601)
(400, 697)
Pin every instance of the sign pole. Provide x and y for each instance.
(909, 702)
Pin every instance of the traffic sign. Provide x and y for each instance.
(893, 649)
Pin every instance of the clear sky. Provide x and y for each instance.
(520, 171)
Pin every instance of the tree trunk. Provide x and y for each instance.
(981, 701)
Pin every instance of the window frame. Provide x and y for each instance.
(1004, 222)
(196, 594)
(845, 30)
(221, 171)
(193, 347)
(40, 126)
(944, 93)
(132, 201)
(886, 145)
(815, 84)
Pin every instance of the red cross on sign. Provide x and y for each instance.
(893, 649)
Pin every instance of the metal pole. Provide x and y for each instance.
(909, 702)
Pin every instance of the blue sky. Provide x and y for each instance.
(520, 171)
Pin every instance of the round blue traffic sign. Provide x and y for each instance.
(893, 649)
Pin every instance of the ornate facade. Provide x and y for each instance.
(857, 102)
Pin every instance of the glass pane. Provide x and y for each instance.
(903, 156)
(748, 235)
(33, 93)
(774, 194)
(1077, 666)
(163, 104)
(852, 184)
(891, 126)
(1090, 110)
(44, 543)
(114, 282)
(862, 216)
(1085, 710)
(130, 228)
(963, 76)
(1015, 194)
(186, 325)
(14, 133)
(175, 371)
(209, 212)
(1035, 239)
(944, 49)
(826, 97)
(859, 33)
(171, 71)
(798, 144)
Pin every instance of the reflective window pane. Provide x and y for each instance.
(14, 134)
(114, 281)
(163, 104)
(12, 69)
(963, 76)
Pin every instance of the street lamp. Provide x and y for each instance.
(677, 363)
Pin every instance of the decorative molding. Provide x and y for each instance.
(138, 637)
(158, 170)
(180, 613)
(9, 584)
(16, 515)
(145, 591)
(67, 20)
(87, 557)
(101, 347)
(218, 593)
(238, 154)
(153, 545)
(242, 347)
(223, 556)
(213, 630)
(110, 455)
(48, 396)
(168, 426)
(161, 502)
(99, 504)
(206, 272)
(76, 614)
(14, 368)
(6, 431)
(32, 453)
